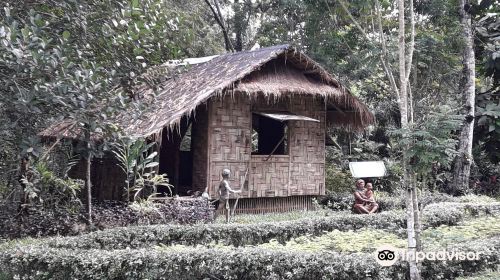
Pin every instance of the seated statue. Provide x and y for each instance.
(364, 202)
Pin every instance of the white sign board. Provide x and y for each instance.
(366, 169)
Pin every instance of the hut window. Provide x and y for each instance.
(269, 136)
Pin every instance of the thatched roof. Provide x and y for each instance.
(236, 73)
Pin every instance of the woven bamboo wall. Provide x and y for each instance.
(307, 148)
(299, 173)
(229, 139)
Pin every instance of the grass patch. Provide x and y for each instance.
(278, 217)
(489, 275)
(475, 228)
(474, 198)
(339, 241)
(367, 240)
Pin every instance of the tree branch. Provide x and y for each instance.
(402, 65)
(344, 7)
(220, 20)
(384, 56)
(409, 56)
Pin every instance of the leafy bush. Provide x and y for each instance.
(49, 191)
(337, 201)
(489, 249)
(39, 221)
(345, 201)
(26, 261)
(258, 233)
(368, 240)
(472, 198)
(364, 240)
(338, 180)
(450, 213)
(489, 275)
(228, 234)
(465, 231)
(192, 263)
(388, 201)
(275, 217)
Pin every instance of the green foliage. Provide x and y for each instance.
(487, 130)
(365, 240)
(130, 253)
(244, 263)
(477, 199)
(261, 232)
(451, 213)
(477, 228)
(274, 217)
(195, 263)
(45, 189)
(431, 141)
(391, 183)
(489, 275)
(138, 163)
(230, 234)
(60, 59)
(338, 180)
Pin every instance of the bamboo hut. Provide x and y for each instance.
(263, 114)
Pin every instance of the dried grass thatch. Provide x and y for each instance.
(260, 71)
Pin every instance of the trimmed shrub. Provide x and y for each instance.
(442, 214)
(386, 201)
(258, 233)
(450, 213)
(489, 259)
(228, 234)
(28, 262)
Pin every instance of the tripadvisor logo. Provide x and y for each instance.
(387, 255)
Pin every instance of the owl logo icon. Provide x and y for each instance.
(386, 255)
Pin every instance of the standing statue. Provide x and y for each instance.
(224, 191)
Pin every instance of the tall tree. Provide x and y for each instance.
(463, 163)
(405, 57)
(61, 60)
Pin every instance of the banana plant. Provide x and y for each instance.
(136, 161)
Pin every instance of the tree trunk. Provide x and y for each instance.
(401, 93)
(463, 160)
(416, 215)
(238, 25)
(220, 20)
(403, 107)
(88, 182)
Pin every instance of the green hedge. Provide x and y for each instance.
(450, 213)
(228, 234)
(40, 262)
(258, 233)
(386, 201)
